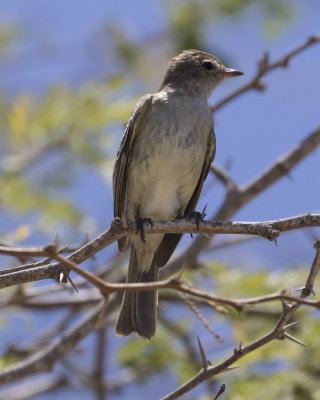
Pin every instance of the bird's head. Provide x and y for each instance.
(197, 71)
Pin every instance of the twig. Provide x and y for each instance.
(20, 251)
(201, 318)
(221, 390)
(264, 67)
(308, 289)
(223, 175)
(99, 373)
(85, 297)
(279, 332)
(106, 288)
(43, 360)
(31, 389)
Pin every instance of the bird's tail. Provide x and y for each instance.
(138, 309)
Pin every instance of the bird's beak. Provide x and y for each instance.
(230, 73)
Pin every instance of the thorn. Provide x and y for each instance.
(238, 350)
(313, 39)
(203, 214)
(203, 356)
(285, 62)
(86, 238)
(56, 239)
(291, 325)
(263, 62)
(286, 306)
(260, 86)
(266, 57)
(72, 284)
(221, 390)
(61, 277)
(293, 339)
(51, 250)
(306, 291)
(232, 368)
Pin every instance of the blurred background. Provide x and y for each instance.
(70, 74)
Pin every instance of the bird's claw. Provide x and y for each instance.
(197, 217)
(140, 228)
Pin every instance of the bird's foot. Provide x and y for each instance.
(140, 228)
(197, 217)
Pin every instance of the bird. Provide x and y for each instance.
(162, 162)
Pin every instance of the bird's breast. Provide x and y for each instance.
(166, 161)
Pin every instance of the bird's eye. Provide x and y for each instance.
(208, 65)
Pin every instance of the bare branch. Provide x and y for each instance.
(267, 229)
(308, 289)
(264, 67)
(223, 175)
(34, 388)
(221, 390)
(99, 371)
(43, 360)
(20, 251)
(106, 288)
(279, 332)
(201, 318)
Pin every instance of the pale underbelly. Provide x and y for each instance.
(161, 186)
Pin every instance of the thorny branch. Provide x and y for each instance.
(44, 360)
(279, 332)
(107, 288)
(268, 229)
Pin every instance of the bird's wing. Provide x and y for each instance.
(211, 151)
(120, 170)
(171, 240)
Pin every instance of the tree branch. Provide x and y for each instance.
(264, 67)
(267, 229)
(279, 332)
(43, 360)
(36, 387)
